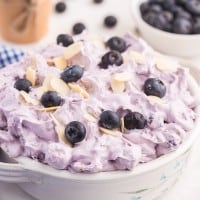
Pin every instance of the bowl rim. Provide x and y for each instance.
(36, 167)
(135, 10)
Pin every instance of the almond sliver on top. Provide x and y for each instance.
(122, 77)
(73, 50)
(31, 75)
(59, 86)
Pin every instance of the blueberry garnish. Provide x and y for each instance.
(154, 87)
(65, 40)
(72, 74)
(117, 44)
(193, 6)
(60, 7)
(134, 120)
(50, 99)
(75, 132)
(109, 120)
(78, 28)
(23, 84)
(110, 21)
(111, 58)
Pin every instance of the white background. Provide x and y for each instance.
(188, 187)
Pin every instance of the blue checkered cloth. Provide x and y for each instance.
(9, 55)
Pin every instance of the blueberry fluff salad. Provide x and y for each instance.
(95, 103)
(174, 16)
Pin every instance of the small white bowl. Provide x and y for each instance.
(165, 42)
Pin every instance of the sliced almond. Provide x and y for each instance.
(97, 41)
(163, 65)
(137, 57)
(110, 132)
(28, 98)
(59, 86)
(49, 109)
(155, 100)
(73, 50)
(89, 117)
(60, 130)
(78, 89)
(122, 125)
(123, 77)
(40, 91)
(117, 86)
(60, 62)
(31, 75)
(47, 82)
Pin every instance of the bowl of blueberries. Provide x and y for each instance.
(170, 26)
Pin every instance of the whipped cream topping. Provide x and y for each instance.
(27, 131)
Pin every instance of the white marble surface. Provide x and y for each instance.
(188, 187)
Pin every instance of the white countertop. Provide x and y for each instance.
(188, 187)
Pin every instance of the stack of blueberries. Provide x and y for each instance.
(175, 16)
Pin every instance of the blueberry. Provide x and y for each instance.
(60, 7)
(155, 8)
(157, 20)
(23, 84)
(97, 1)
(156, 2)
(111, 58)
(144, 7)
(168, 4)
(184, 14)
(109, 120)
(72, 73)
(75, 132)
(196, 26)
(117, 44)
(134, 120)
(168, 15)
(181, 2)
(154, 87)
(182, 26)
(110, 21)
(65, 40)
(193, 6)
(78, 28)
(50, 99)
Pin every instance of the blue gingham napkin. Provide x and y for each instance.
(9, 55)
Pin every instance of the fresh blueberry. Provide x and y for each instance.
(156, 2)
(196, 26)
(156, 8)
(154, 87)
(117, 44)
(97, 1)
(181, 2)
(110, 21)
(157, 20)
(168, 4)
(78, 28)
(72, 73)
(65, 40)
(111, 58)
(144, 7)
(109, 120)
(23, 84)
(60, 7)
(50, 99)
(184, 14)
(176, 9)
(193, 6)
(75, 132)
(134, 120)
(168, 15)
(182, 26)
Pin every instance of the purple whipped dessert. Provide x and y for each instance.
(99, 104)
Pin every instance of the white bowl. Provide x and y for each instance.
(145, 182)
(165, 42)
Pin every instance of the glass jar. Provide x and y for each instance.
(24, 21)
